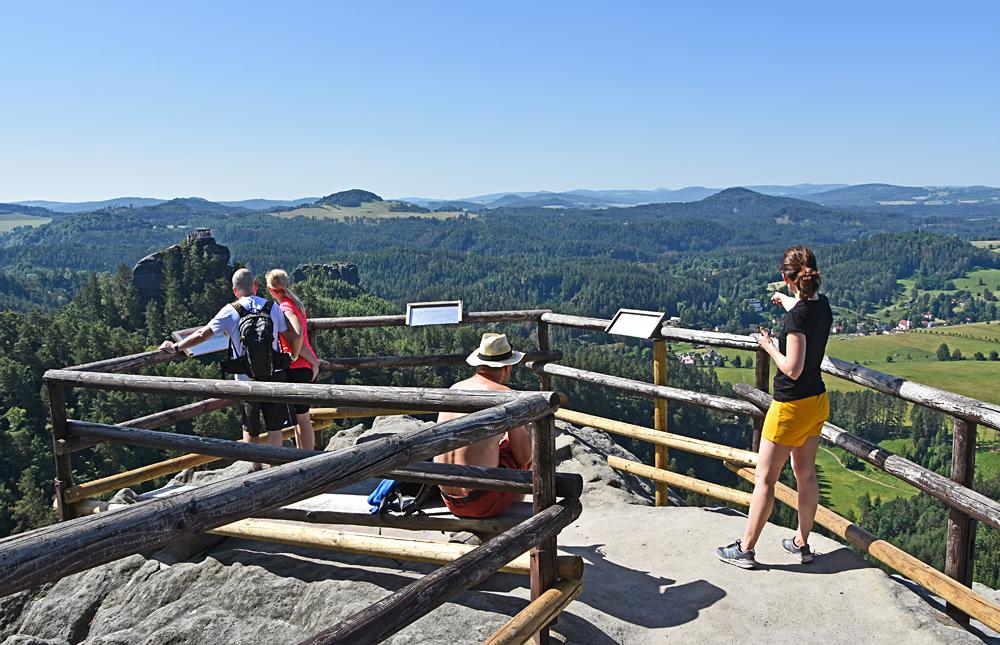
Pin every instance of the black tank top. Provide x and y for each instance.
(814, 319)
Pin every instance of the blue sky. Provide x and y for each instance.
(245, 99)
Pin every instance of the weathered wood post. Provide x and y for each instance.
(960, 553)
(544, 380)
(661, 459)
(64, 468)
(543, 493)
(761, 378)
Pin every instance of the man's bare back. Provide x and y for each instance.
(487, 451)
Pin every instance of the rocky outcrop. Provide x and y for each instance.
(148, 273)
(345, 271)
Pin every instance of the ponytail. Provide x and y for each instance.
(278, 280)
(799, 266)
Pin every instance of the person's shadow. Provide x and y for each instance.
(638, 597)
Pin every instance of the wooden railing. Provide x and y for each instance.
(221, 507)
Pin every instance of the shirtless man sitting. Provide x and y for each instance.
(493, 361)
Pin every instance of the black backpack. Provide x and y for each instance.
(256, 332)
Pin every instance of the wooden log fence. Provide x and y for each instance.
(150, 472)
(434, 360)
(649, 390)
(413, 398)
(960, 548)
(156, 420)
(502, 479)
(543, 497)
(946, 490)
(956, 405)
(85, 542)
(681, 481)
(382, 546)
(130, 362)
(960, 596)
(536, 615)
(47, 554)
(670, 440)
(661, 458)
(392, 614)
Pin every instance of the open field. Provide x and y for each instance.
(10, 221)
(989, 277)
(985, 244)
(369, 210)
(842, 487)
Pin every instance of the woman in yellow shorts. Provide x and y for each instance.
(797, 414)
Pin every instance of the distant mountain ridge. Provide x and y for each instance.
(864, 195)
(873, 196)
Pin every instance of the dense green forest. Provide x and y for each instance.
(67, 297)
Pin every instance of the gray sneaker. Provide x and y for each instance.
(804, 553)
(733, 554)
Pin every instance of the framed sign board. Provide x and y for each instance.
(420, 314)
(636, 323)
(214, 344)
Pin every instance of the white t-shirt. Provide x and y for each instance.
(227, 321)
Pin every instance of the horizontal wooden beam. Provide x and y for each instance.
(150, 472)
(399, 320)
(950, 492)
(641, 388)
(130, 362)
(158, 420)
(414, 522)
(542, 611)
(391, 614)
(659, 437)
(502, 479)
(681, 481)
(432, 360)
(397, 548)
(963, 407)
(923, 574)
(713, 338)
(49, 553)
(580, 322)
(413, 398)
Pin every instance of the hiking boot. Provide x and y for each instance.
(804, 553)
(733, 554)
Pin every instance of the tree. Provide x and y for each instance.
(980, 357)
(994, 355)
(737, 361)
(957, 355)
(888, 359)
(943, 353)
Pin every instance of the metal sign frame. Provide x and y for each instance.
(443, 312)
(636, 323)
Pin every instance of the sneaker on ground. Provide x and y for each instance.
(735, 555)
(804, 553)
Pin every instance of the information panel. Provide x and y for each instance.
(636, 323)
(421, 314)
(214, 344)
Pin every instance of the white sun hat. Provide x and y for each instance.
(494, 351)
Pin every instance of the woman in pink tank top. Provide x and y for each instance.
(305, 364)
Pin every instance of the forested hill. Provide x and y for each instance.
(702, 260)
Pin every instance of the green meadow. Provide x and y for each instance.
(10, 221)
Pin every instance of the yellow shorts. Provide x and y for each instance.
(791, 423)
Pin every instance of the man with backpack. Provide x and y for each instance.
(252, 325)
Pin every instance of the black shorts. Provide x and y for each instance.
(300, 375)
(276, 415)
